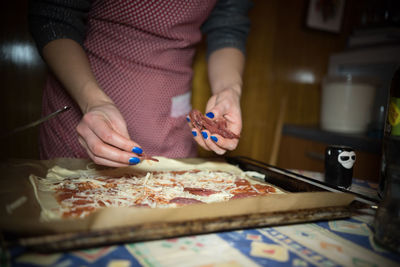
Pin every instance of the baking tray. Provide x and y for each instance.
(294, 182)
(152, 231)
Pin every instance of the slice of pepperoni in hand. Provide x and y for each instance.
(219, 126)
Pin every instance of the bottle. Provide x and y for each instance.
(387, 217)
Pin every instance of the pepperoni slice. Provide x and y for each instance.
(201, 122)
(199, 191)
(82, 202)
(265, 188)
(242, 182)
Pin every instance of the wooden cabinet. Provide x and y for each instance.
(304, 154)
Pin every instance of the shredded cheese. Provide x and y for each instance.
(89, 192)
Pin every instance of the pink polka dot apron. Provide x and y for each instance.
(141, 53)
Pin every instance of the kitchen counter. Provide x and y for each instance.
(303, 147)
(360, 142)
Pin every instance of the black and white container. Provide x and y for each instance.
(339, 162)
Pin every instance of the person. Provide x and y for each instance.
(125, 69)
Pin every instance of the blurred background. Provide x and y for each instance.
(292, 46)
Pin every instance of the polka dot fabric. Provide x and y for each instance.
(141, 53)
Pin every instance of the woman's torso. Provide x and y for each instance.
(141, 54)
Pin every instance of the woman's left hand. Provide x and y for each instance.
(224, 105)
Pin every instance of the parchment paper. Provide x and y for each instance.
(20, 211)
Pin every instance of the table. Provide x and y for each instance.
(347, 242)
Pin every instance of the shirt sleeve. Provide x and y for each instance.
(55, 19)
(228, 25)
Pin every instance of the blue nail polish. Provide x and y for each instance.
(214, 138)
(134, 160)
(137, 150)
(210, 115)
(188, 119)
(204, 134)
(194, 133)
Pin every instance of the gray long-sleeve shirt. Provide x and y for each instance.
(227, 26)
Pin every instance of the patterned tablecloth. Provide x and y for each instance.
(346, 242)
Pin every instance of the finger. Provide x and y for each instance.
(212, 102)
(233, 121)
(104, 132)
(224, 143)
(199, 139)
(215, 112)
(211, 142)
(189, 121)
(197, 134)
(120, 127)
(192, 124)
(217, 109)
(98, 149)
(99, 160)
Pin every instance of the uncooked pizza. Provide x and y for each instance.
(77, 193)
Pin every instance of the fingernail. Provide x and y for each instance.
(204, 134)
(134, 160)
(214, 138)
(194, 133)
(188, 119)
(210, 115)
(137, 150)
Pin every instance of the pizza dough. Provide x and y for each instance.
(169, 183)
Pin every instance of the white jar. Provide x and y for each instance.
(347, 103)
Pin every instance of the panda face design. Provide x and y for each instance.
(347, 159)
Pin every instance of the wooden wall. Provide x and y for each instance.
(284, 59)
(22, 74)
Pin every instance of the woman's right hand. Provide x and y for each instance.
(102, 130)
(103, 133)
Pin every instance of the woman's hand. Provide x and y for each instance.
(102, 130)
(225, 68)
(225, 105)
(103, 133)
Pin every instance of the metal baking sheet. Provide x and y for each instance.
(152, 231)
(291, 181)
